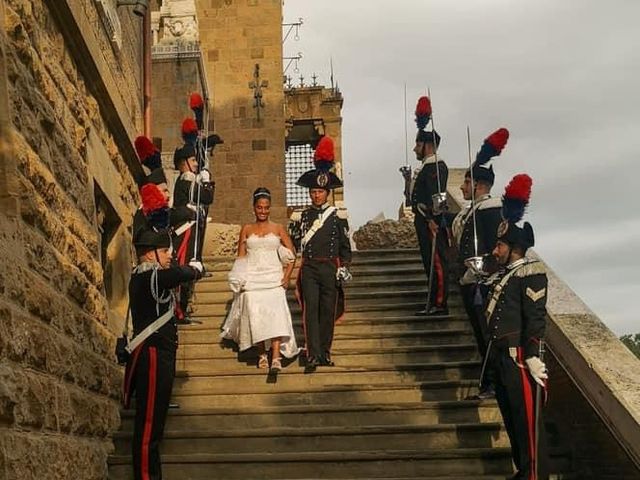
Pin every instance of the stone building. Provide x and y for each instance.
(67, 194)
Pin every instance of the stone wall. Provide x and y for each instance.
(68, 144)
(579, 435)
(235, 35)
(172, 83)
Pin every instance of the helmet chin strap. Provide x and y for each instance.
(155, 252)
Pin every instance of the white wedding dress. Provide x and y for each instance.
(260, 310)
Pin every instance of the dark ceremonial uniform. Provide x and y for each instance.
(488, 217)
(321, 297)
(425, 185)
(516, 317)
(188, 188)
(151, 366)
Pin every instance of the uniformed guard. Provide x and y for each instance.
(475, 230)
(191, 193)
(516, 316)
(151, 363)
(326, 254)
(429, 182)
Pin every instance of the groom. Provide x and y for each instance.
(326, 252)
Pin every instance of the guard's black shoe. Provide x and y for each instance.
(485, 393)
(310, 367)
(326, 362)
(421, 313)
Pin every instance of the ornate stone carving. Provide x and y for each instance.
(175, 22)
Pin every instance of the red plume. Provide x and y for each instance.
(324, 150)
(519, 188)
(498, 139)
(195, 101)
(144, 147)
(152, 198)
(423, 107)
(189, 126)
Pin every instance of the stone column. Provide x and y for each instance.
(8, 168)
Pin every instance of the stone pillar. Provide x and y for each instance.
(8, 168)
(235, 37)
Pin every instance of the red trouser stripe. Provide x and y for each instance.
(130, 372)
(181, 254)
(528, 405)
(439, 279)
(148, 423)
(300, 298)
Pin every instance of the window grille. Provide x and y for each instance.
(298, 159)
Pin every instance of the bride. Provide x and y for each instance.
(259, 314)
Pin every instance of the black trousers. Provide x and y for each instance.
(320, 300)
(154, 375)
(424, 242)
(440, 281)
(184, 246)
(476, 316)
(516, 396)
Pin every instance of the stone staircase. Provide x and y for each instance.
(393, 407)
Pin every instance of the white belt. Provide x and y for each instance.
(184, 227)
(150, 330)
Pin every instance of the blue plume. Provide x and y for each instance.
(513, 209)
(159, 219)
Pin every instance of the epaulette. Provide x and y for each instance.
(532, 267)
(493, 202)
(188, 176)
(296, 216)
(342, 213)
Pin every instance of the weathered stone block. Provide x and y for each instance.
(386, 234)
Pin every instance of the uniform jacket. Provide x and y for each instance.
(185, 194)
(519, 316)
(145, 308)
(331, 240)
(425, 184)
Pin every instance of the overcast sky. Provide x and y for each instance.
(563, 77)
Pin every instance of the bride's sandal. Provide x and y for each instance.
(263, 361)
(276, 365)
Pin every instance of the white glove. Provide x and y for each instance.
(343, 274)
(204, 176)
(196, 265)
(537, 369)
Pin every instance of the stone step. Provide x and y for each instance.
(370, 294)
(329, 464)
(358, 298)
(366, 324)
(353, 394)
(371, 341)
(220, 284)
(251, 380)
(353, 308)
(388, 272)
(212, 356)
(423, 413)
(319, 439)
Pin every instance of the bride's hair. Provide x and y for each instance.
(261, 192)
